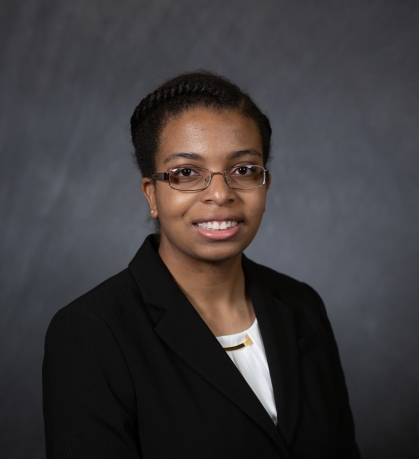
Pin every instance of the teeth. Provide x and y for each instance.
(218, 225)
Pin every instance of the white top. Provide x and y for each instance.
(252, 364)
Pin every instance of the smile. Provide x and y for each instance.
(218, 225)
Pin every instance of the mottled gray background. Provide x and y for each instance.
(339, 80)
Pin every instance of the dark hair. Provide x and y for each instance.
(186, 91)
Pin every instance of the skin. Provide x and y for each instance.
(208, 269)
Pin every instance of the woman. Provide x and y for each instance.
(194, 351)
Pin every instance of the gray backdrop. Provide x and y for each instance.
(339, 82)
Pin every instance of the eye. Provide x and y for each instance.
(185, 172)
(244, 170)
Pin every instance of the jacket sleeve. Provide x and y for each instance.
(347, 447)
(89, 399)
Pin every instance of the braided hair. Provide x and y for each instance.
(184, 92)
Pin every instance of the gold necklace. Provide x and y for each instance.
(245, 343)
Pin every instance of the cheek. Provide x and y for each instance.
(172, 204)
(258, 204)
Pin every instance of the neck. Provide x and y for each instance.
(215, 289)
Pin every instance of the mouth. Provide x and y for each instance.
(218, 225)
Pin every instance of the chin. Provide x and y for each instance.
(219, 254)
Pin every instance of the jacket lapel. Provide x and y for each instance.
(277, 326)
(183, 330)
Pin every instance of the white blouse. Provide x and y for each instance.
(252, 364)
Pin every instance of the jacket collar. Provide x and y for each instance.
(183, 330)
(153, 278)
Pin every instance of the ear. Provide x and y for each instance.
(148, 187)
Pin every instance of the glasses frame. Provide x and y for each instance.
(165, 177)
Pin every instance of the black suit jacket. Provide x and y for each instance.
(132, 371)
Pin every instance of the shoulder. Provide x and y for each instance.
(281, 285)
(119, 303)
(301, 297)
(103, 306)
(302, 301)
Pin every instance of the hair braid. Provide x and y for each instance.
(186, 91)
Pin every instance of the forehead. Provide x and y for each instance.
(209, 132)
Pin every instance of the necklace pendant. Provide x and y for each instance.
(245, 343)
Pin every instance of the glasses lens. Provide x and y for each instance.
(188, 178)
(246, 177)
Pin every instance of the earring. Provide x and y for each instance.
(151, 211)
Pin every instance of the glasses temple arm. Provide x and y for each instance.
(160, 176)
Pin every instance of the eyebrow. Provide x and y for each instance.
(195, 156)
(198, 157)
(240, 153)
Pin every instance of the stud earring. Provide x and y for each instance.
(151, 211)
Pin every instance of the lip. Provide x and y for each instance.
(218, 235)
(219, 218)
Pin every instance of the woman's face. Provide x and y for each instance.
(215, 140)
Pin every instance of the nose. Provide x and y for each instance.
(218, 191)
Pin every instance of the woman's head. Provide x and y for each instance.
(192, 126)
(185, 92)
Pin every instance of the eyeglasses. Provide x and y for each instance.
(191, 178)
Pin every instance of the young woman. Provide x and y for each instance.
(194, 351)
